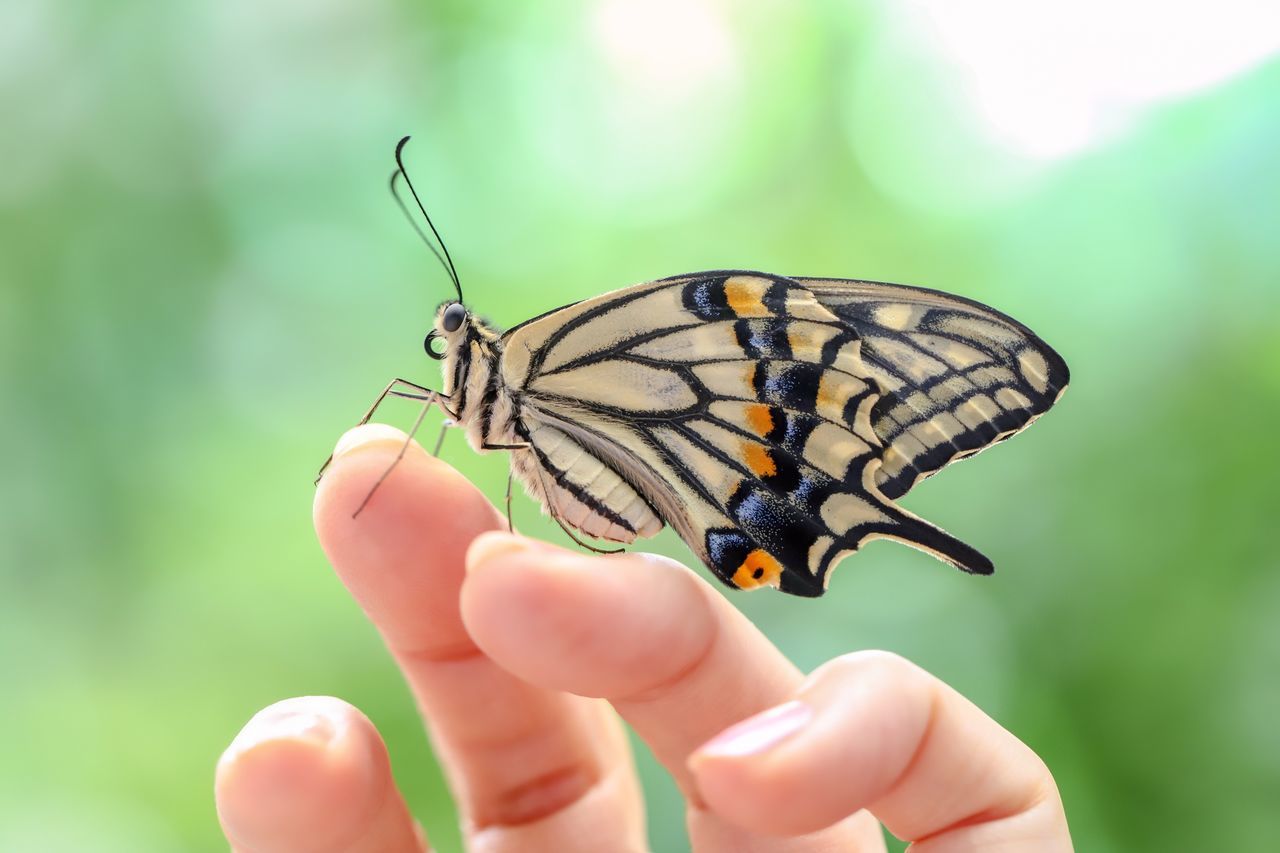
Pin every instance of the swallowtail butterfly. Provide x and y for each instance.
(772, 421)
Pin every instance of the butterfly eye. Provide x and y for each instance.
(427, 344)
(453, 317)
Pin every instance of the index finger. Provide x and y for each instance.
(515, 754)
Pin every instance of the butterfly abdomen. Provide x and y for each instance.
(580, 489)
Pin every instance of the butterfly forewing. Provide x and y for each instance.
(956, 376)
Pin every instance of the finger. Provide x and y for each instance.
(311, 774)
(672, 656)
(641, 631)
(516, 755)
(870, 730)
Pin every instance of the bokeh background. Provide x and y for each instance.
(203, 281)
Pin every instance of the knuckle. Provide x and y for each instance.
(531, 800)
(874, 663)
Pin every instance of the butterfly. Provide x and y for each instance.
(773, 422)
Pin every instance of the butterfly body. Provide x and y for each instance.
(580, 490)
(771, 421)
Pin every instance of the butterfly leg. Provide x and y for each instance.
(402, 388)
(510, 474)
(510, 526)
(444, 427)
(408, 439)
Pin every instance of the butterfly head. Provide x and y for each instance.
(450, 330)
(448, 340)
(454, 326)
(462, 342)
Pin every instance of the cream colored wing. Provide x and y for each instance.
(735, 406)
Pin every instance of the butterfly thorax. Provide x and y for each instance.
(483, 403)
(580, 489)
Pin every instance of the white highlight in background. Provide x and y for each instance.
(668, 46)
(1050, 80)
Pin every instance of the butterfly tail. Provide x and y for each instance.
(918, 533)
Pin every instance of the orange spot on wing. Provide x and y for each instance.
(749, 377)
(746, 296)
(760, 419)
(758, 459)
(760, 568)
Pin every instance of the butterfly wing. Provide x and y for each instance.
(739, 406)
(955, 376)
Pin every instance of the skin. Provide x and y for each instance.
(525, 658)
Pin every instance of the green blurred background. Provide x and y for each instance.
(203, 281)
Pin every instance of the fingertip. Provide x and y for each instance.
(494, 544)
(361, 456)
(515, 594)
(309, 767)
(402, 555)
(508, 574)
(595, 626)
(786, 772)
(366, 436)
(737, 773)
(811, 762)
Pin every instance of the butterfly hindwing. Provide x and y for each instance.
(580, 487)
(789, 521)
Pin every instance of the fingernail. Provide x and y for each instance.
(487, 546)
(366, 435)
(282, 723)
(760, 733)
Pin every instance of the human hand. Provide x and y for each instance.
(523, 657)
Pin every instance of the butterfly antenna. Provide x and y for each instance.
(446, 261)
(395, 193)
